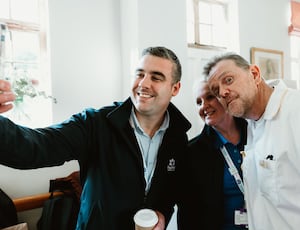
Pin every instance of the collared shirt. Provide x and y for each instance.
(271, 165)
(148, 146)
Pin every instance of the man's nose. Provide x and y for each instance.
(145, 82)
(223, 92)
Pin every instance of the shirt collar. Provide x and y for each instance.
(220, 141)
(136, 125)
(274, 102)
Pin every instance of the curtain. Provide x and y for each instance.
(294, 28)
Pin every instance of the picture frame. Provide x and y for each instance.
(269, 61)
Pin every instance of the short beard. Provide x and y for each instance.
(236, 110)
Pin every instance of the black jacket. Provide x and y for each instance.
(201, 182)
(110, 162)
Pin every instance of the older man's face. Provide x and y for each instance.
(235, 87)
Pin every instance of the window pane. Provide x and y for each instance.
(204, 13)
(219, 36)
(4, 9)
(30, 70)
(295, 47)
(25, 10)
(205, 35)
(295, 69)
(25, 46)
(218, 15)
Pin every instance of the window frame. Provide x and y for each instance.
(197, 40)
(38, 28)
(41, 29)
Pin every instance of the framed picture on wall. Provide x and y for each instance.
(269, 61)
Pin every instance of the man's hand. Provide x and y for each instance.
(161, 222)
(6, 96)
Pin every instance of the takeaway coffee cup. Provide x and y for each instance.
(145, 219)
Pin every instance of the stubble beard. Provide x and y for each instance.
(236, 108)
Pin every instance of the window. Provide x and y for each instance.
(294, 32)
(209, 22)
(295, 59)
(212, 28)
(23, 52)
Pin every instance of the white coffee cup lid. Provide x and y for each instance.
(145, 218)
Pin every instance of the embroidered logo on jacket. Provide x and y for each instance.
(171, 166)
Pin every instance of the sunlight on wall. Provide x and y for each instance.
(295, 59)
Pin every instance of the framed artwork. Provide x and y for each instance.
(269, 61)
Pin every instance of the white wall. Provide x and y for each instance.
(95, 43)
(85, 54)
(264, 24)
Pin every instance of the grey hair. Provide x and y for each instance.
(237, 59)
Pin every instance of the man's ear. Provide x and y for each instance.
(255, 71)
(176, 88)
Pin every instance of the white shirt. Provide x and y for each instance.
(272, 186)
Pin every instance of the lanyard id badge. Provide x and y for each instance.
(240, 218)
(232, 169)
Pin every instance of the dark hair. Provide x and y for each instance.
(237, 59)
(165, 53)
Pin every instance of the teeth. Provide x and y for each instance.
(144, 95)
(209, 113)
